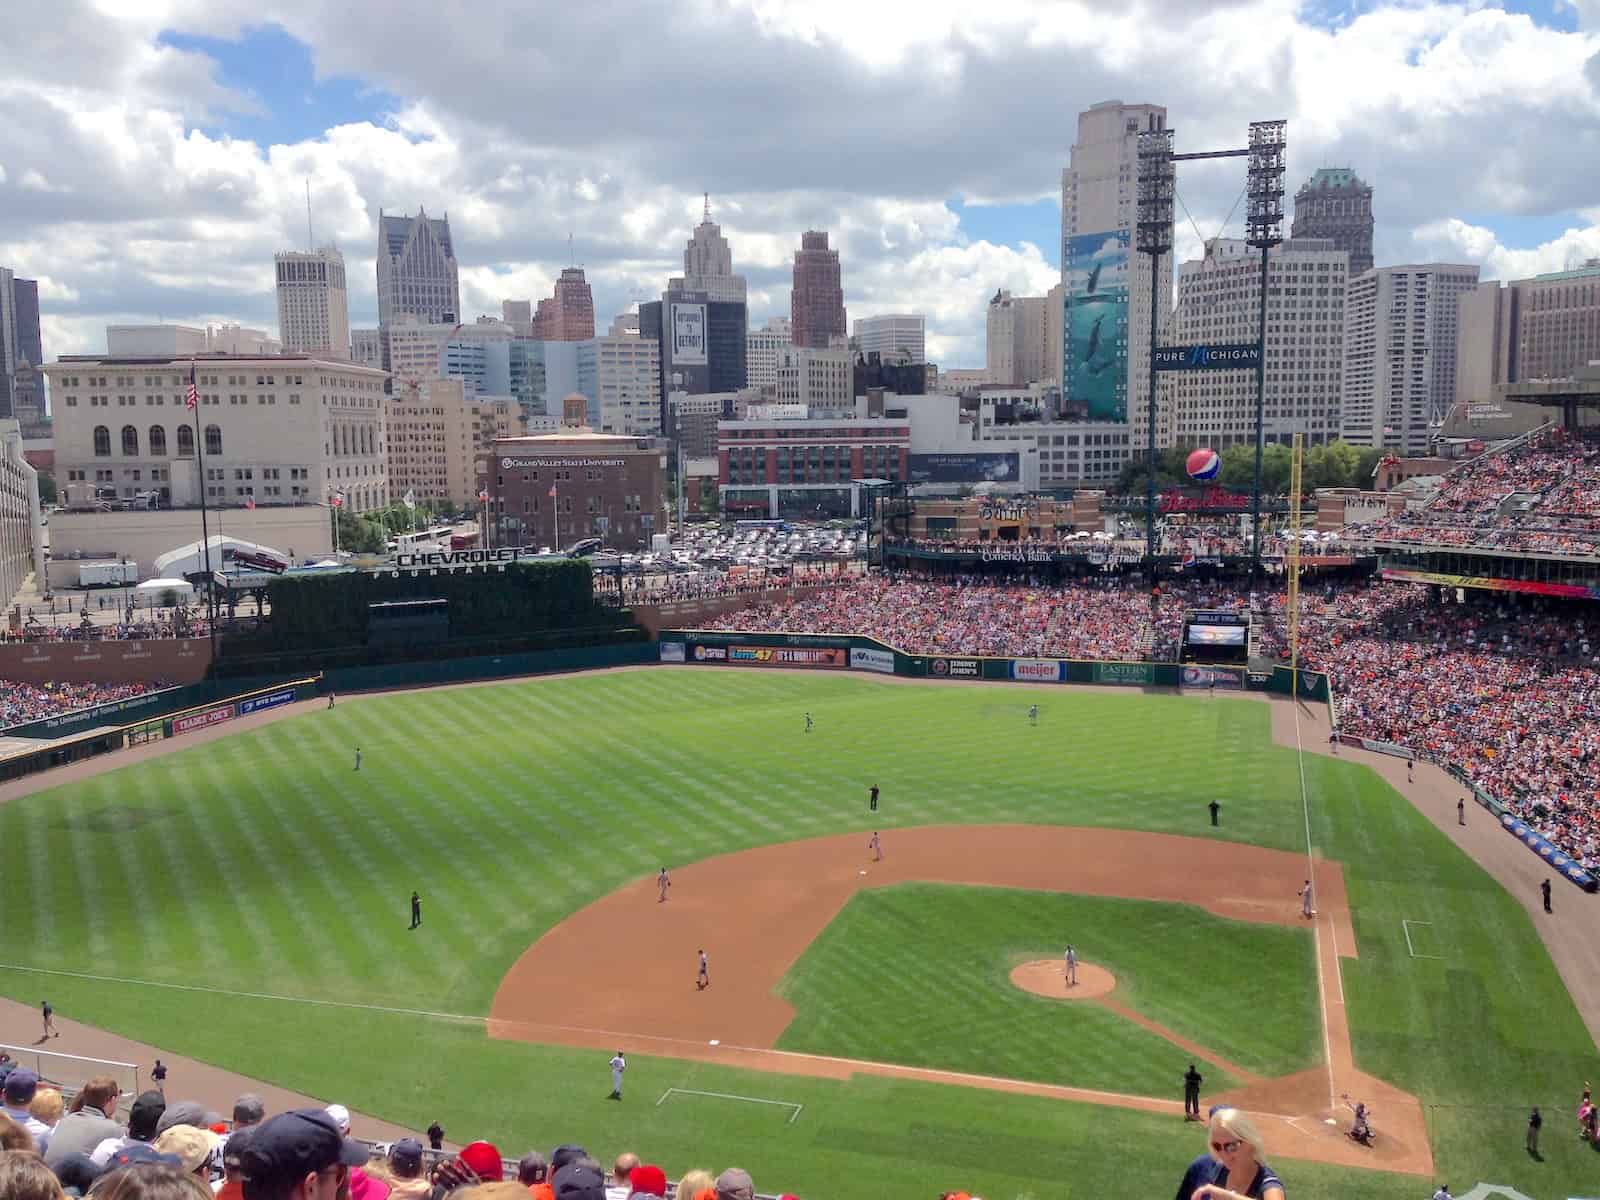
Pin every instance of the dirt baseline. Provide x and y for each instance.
(755, 912)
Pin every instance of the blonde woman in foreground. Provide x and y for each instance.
(1240, 1173)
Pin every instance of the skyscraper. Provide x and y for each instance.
(1399, 371)
(708, 264)
(313, 312)
(1105, 375)
(816, 305)
(568, 316)
(19, 335)
(893, 335)
(1335, 204)
(417, 270)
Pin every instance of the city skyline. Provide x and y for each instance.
(152, 165)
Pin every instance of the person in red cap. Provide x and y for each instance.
(647, 1179)
(484, 1160)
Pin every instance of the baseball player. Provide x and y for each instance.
(876, 847)
(663, 882)
(1033, 714)
(618, 1066)
(872, 799)
(49, 1015)
(1307, 909)
(703, 980)
(358, 758)
(808, 722)
(1072, 965)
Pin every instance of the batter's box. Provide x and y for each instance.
(1420, 939)
(794, 1109)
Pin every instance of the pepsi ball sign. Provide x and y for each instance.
(1203, 465)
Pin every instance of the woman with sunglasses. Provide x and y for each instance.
(1240, 1172)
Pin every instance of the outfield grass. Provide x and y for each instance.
(918, 973)
(263, 863)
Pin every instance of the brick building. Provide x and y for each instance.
(807, 468)
(605, 485)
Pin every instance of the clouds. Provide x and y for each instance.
(606, 122)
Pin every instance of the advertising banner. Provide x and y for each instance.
(871, 660)
(963, 468)
(1577, 591)
(1541, 846)
(1209, 677)
(1036, 670)
(788, 656)
(1207, 358)
(710, 654)
(672, 652)
(1096, 343)
(271, 700)
(688, 335)
(1140, 674)
(955, 668)
(203, 720)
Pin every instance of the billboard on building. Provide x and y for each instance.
(688, 334)
(1095, 348)
(964, 468)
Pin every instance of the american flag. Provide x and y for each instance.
(483, 496)
(250, 502)
(337, 500)
(192, 398)
(552, 491)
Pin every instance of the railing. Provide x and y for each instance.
(69, 1072)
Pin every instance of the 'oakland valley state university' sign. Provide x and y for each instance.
(1206, 358)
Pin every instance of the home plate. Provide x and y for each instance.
(718, 1042)
(861, 872)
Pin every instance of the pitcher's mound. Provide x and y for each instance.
(1047, 977)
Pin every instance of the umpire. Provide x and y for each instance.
(1191, 1094)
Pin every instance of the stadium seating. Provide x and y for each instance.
(21, 703)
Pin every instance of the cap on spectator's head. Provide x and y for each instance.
(248, 1110)
(292, 1145)
(145, 1116)
(233, 1149)
(76, 1172)
(576, 1182)
(532, 1168)
(647, 1179)
(186, 1112)
(405, 1157)
(190, 1143)
(565, 1153)
(141, 1152)
(341, 1117)
(21, 1084)
(735, 1184)
(484, 1160)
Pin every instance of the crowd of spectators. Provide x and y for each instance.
(181, 1151)
(1542, 496)
(21, 703)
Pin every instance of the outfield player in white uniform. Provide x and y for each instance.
(1072, 966)
(1033, 714)
(358, 758)
(663, 882)
(808, 722)
(876, 847)
(703, 980)
(618, 1066)
(1307, 909)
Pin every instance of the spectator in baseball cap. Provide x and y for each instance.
(20, 1087)
(565, 1153)
(187, 1112)
(248, 1110)
(233, 1163)
(299, 1155)
(647, 1179)
(143, 1121)
(533, 1173)
(406, 1181)
(362, 1185)
(735, 1184)
(193, 1145)
(77, 1174)
(484, 1160)
(579, 1181)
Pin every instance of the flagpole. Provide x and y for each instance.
(205, 533)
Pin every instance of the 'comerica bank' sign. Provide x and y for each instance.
(1206, 358)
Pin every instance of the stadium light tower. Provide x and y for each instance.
(1263, 230)
(1157, 183)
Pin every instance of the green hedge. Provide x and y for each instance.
(333, 610)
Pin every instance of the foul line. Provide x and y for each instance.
(1316, 933)
(1405, 926)
(793, 1117)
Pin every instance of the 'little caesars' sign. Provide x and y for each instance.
(1205, 358)
(689, 334)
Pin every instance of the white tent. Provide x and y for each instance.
(152, 592)
(190, 559)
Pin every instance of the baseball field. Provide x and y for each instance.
(245, 901)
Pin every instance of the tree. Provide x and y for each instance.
(47, 489)
(357, 535)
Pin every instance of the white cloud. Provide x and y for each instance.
(859, 119)
(1455, 239)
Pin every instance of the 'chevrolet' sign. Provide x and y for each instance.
(1206, 358)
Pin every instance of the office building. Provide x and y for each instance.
(1055, 316)
(1219, 298)
(694, 419)
(177, 340)
(605, 485)
(816, 303)
(417, 273)
(763, 348)
(19, 336)
(821, 380)
(621, 379)
(1016, 333)
(21, 540)
(1399, 370)
(313, 313)
(808, 468)
(366, 347)
(1105, 376)
(439, 437)
(894, 337)
(476, 353)
(568, 315)
(519, 315)
(1546, 327)
(704, 343)
(275, 430)
(625, 324)
(1335, 204)
(708, 264)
